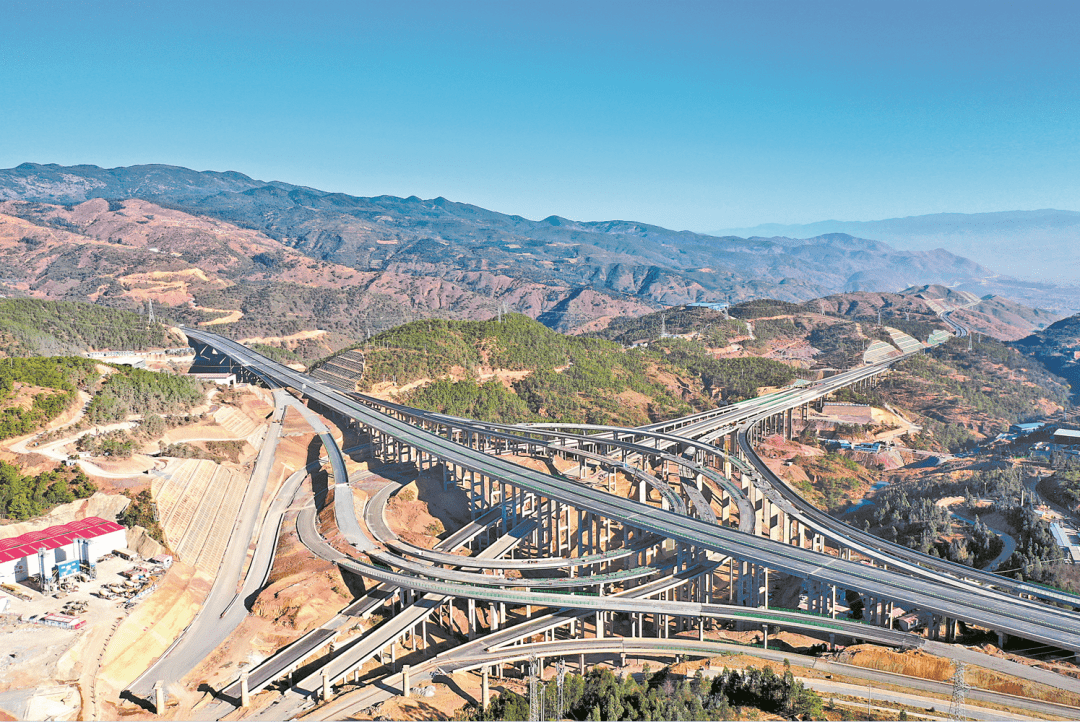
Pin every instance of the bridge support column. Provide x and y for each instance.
(485, 692)
(405, 681)
(731, 579)
(159, 697)
(245, 695)
(327, 691)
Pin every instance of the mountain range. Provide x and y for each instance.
(1041, 245)
(280, 258)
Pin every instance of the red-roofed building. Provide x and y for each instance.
(86, 540)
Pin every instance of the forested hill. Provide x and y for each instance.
(1057, 347)
(32, 327)
(519, 370)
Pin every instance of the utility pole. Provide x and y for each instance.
(959, 692)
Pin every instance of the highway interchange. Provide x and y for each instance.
(903, 577)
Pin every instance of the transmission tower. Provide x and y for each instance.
(534, 694)
(560, 669)
(149, 313)
(663, 326)
(879, 317)
(959, 692)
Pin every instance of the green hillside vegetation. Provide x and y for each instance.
(32, 327)
(24, 497)
(572, 378)
(729, 379)
(1055, 348)
(989, 386)
(600, 695)
(60, 376)
(841, 344)
(908, 515)
(277, 353)
(1064, 486)
(142, 511)
(489, 401)
(763, 308)
(137, 391)
(714, 328)
(959, 395)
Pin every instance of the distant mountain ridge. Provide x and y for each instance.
(1042, 244)
(571, 271)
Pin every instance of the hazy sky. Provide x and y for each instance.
(694, 115)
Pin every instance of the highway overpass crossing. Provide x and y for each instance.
(495, 476)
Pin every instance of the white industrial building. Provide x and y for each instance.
(1067, 437)
(86, 540)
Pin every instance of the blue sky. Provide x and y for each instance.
(688, 115)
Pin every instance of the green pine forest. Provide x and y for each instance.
(571, 378)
